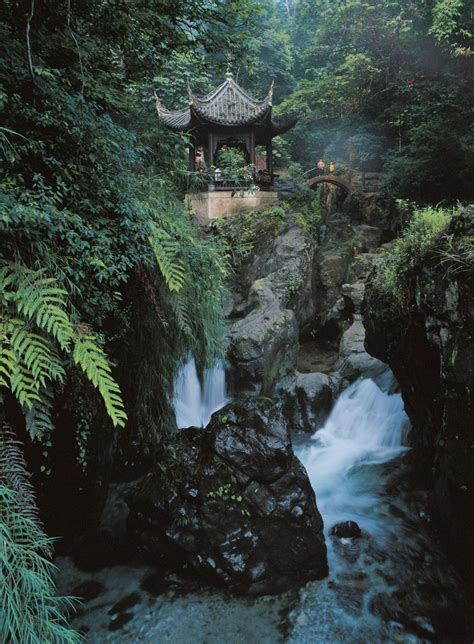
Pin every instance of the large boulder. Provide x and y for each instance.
(307, 400)
(354, 361)
(264, 323)
(239, 509)
(367, 238)
(264, 343)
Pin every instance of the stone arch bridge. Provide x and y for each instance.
(367, 182)
(336, 180)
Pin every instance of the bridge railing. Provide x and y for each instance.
(344, 173)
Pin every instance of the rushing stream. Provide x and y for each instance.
(367, 427)
(390, 584)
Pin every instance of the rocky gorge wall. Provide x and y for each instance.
(429, 346)
(296, 331)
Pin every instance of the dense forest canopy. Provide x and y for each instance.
(105, 282)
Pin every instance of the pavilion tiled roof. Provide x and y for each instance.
(227, 105)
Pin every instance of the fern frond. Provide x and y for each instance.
(35, 322)
(23, 385)
(39, 300)
(38, 353)
(28, 362)
(7, 364)
(166, 250)
(30, 611)
(93, 361)
(182, 315)
(38, 417)
(13, 475)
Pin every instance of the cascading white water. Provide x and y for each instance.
(194, 404)
(366, 427)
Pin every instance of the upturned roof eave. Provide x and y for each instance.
(204, 119)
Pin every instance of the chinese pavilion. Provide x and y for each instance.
(228, 116)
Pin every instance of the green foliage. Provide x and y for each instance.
(430, 156)
(166, 251)
(35, 327)
(308, 212)
(456, 255)
(31, 613)
(292, 287)
(389, 286)
(241, 234)
(453, 25)
(390, 82)
(90, 197)
(231, 161)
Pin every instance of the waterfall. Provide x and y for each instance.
(366, 428)
(194, 404)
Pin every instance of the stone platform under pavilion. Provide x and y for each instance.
(211, 205)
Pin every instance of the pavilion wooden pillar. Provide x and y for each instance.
(210, 148)
(252, 147)
(270, 156)
(192, 158)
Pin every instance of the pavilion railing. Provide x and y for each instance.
(260, 181)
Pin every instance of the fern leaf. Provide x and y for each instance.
(38, 418)
(36, 321)
(39, 300)
(93, 361)
(166, 251)
(7, 364)
(13, 475)
(182, 316)
(38, 354)
(30, 610)
(24, 386)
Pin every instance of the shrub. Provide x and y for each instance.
(232, 163)
(242, 233)
(390, 281)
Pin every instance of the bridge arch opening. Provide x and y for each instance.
(336, 180)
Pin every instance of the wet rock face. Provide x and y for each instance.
(345, 530)
(354, 360)
(295, 286)
(307, 400)
(240, 512)
(430, 349)
(273, 294)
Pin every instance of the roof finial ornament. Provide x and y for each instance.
(228, 73)
(269, 97)
(190, 93)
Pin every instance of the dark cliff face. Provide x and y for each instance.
(430, 348)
